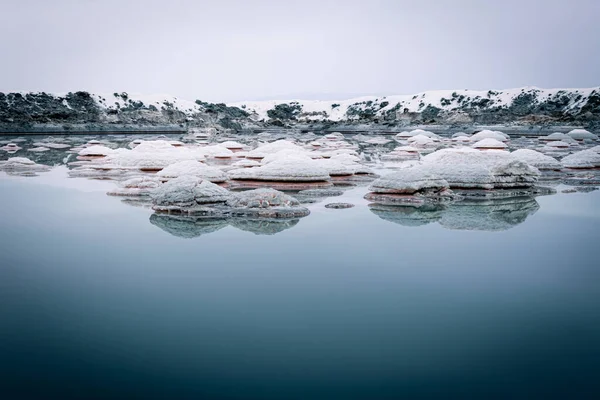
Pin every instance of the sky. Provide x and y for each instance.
(231, 50)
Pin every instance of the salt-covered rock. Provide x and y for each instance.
(409, 181)
(460, 134)
(285, 170)
(232, 145)
(469, 168)
(270, 148)
(10, 147)
(194, 168)
(555, 137)
(217, 151)
(421, 141)
(96, 151)
(489, 143)
(22, 165)
(537, 159)
(582, 134)
(584, 159)
(558, 144)
(38, 149)
(138, 186)
(186, 192)
(488, 134)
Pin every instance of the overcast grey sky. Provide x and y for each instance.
(241, 50)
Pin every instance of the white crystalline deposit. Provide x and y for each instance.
(52, 145)
(10, 147)
(96, 151)
(261, 198)
(188, 191)
(345, 158)
(138, 186)
(336, 168)
(487, 134)
(216, 151)
(287, 154)
(270, 148)
(558, 144)
(402, 153)
(596, 149)
(231, 145)
(38, 149)
(245, 164)
(460, 134)
(421, 141)
(469, 168)
(536, 159)
(555, 136)
(582, 159)
(152, 156)
(334, 136)
(461, 139)
(284, 170)
(409, 181)
(490, 143)
(194, 168)
(582, 134)
(22, 164)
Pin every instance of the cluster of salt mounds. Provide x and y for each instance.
(585, 159)
(151, 156)
(194, 196)
(537, 159)
(193, 168)
(467, 168)
(22, 166)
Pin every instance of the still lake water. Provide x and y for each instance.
(98, 301)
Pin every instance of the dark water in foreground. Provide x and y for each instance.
(97, 302)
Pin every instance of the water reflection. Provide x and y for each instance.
(190, 227)
(490, 215)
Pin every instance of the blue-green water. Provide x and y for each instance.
(98, 302)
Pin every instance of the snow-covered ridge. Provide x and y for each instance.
(444, 100)
(521, 106)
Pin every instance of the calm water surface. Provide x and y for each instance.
(98, 300)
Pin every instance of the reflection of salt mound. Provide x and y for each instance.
(406, 215)
(494, 215)
(187, 227)
(263, 226)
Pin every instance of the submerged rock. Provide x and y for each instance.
(338, 206)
